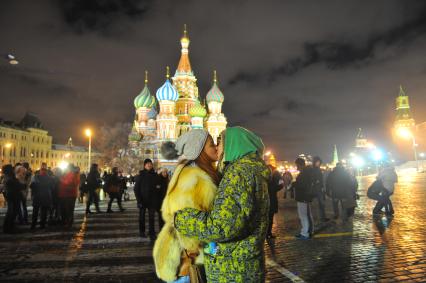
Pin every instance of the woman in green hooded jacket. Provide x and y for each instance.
(235, 228)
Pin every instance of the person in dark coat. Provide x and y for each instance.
(342, 187)
(82, 188)
(303, 189)
(13, 190)
(318, 183)
(54, 214)
(93, 183)
(113, 188)
(163, 180)
(275, 184)
(42, 188)
(146, 196)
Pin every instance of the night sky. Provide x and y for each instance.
(302, 74)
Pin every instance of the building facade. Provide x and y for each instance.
(175, 109)
(28, 141)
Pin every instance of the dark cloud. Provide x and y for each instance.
(343, 52)
(100, 15)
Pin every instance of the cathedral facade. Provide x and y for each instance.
(175, 109)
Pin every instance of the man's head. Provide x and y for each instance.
(316, 161)
(115, 170)
(147, 164)
(43, 166)
(300, 163)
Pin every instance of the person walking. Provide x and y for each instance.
(93, 183)
(42, 188)
(193, 184)
(388, 177)
(54, 214)
(275, 184)
(113, 187)
(12, 189)
(318, 187)
(235, 229)
(303, 189)
(68, 193)
(146, 197)
(342, 187)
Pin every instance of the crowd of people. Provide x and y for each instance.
(54, 193)
(218, 207)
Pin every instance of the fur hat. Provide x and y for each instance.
(187, 147)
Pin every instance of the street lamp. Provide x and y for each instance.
(88, 133)
(407, 134)
(7, 145)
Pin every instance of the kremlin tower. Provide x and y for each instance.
(174, 110)
(403, 118)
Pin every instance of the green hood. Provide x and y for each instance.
(240, 142)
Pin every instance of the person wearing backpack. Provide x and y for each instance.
(42, 188)
(388, 177)
(303, 189)
(342, 188)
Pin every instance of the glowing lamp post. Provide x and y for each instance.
(7, 145)
(407, 134)
(88, 134)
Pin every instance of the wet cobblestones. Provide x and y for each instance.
(106, 247)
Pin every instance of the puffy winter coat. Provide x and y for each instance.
(192, 187)
(237, 223)
(42, 188)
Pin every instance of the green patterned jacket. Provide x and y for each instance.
(237, 223)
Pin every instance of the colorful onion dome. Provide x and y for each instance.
(214, 94)
(198, 110)
(144, 99)
(134, 135)
(167, 90)
(152, 113)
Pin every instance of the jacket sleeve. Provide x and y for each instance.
(229, 217)
(137, 189)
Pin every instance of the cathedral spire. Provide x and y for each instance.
(401, 91)
(184, 63)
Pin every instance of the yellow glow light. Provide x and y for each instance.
(404, 133)
(8, 145)
(67, 155)
(88, 133)
(63, 165)
(267, 153)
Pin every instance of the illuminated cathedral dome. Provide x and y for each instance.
(144, 99)
(167, 91)
(198, 110)
(215, 94)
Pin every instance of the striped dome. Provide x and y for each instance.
(215, 94)
(167, 92)
(144, 99)
(198, 110)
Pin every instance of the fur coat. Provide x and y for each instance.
(190, 187)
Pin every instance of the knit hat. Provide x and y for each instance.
(187, 147)
(147, 161)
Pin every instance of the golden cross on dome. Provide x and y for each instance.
(214, 76)
(146, 76)
(167, 72)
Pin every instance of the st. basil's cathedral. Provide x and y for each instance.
(175, 109)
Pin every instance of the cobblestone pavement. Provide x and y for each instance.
(106, 247)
